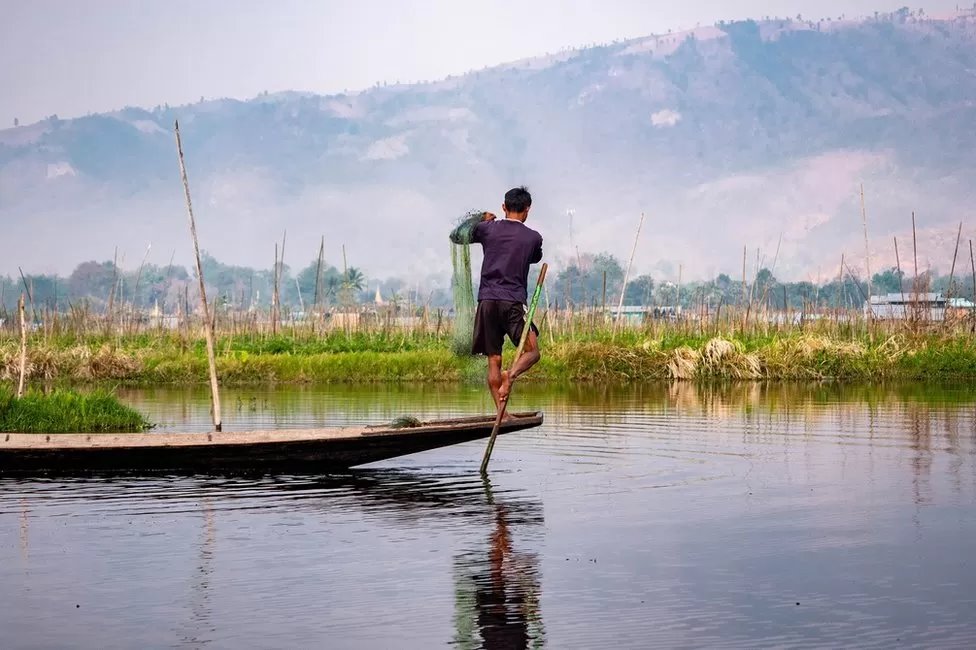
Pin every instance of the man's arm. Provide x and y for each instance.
(537, 253)
(465, 231)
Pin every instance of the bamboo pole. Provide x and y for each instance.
(23, 347)
(623, 289)
(973, 265)
(115, 282)
(915, 254)
(274, 294)
(952, 271)
(901, 277)
(867, 251)
(677, 291)
(281, 273)
(840, 279)
(318, 274)
(552, 340)
(301, 301)
(208, 328)
(30, 293)
(743, 300)
(604, 305)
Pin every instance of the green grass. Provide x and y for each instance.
(67, 411)
(593, 356)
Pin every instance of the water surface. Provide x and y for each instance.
(656, 516)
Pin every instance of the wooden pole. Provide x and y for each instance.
(743, 299)
(281, 273)
(552, 339)
(677, 291)
(901, 278)
(623, 289)
(915, 253)
(208, 328)
(604, 293)
(274, 294)
(115, 282)
(318, 274)
(23, 347)
(518, 353)
(973, 265)
(867, 251)
(840, 278)
(952, 271)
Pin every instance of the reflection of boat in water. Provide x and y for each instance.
(497, 589)
(488, 534)
(298, 449)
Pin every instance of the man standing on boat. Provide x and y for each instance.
(510, 248)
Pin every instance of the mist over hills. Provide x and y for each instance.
(740, 134)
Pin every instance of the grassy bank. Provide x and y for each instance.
(67, 411)
(633, 355)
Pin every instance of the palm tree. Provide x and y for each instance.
(354, 279)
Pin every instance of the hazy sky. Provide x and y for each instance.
(71, 57)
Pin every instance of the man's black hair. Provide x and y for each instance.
(518, 200)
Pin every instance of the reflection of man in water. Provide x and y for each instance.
(501, 610)
(498, 597)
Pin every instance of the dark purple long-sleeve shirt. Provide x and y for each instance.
(510, 248)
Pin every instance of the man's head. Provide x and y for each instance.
(517, 203)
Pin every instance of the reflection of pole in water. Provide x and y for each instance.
(200, 598)
(497, 594)
(24, 531)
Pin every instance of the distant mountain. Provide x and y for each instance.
(749, 134)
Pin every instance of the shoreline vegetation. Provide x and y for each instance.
(668, 351)
(67, 411)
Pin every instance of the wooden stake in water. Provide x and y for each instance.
(623, 289)
(23, 347)
(208, 328)
(518, 353)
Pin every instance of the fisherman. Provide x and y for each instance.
(510, 247)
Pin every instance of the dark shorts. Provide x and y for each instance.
(493, 320)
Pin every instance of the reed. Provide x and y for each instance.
(673, 350)
(67, 411)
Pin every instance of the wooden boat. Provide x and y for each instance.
(295, 449)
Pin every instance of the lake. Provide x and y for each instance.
(740, 515)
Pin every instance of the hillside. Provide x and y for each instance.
(726, 136)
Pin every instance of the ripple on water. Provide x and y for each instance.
(651, 516)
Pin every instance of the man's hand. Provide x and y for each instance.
(487, 216)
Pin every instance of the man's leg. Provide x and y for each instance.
(530, 357)
(495, 378)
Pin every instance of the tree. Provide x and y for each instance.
(639, 291)
(888, 281)
(355, 279)
(92, 279)
(306, 281)
(764, 281)
(582, 281)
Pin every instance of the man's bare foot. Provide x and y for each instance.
(505, 388)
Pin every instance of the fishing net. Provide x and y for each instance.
(462, 284)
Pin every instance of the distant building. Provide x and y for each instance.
(903, 306)
(637, 314)
(629, 315)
